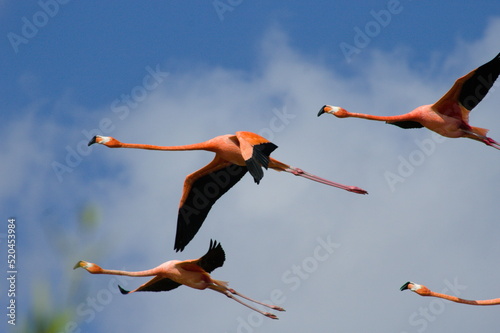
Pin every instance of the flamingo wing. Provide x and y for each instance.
(407, 124)
(201, 190)
(155, 284)
(469, 90)
(255, 151)
(214, 258)
(478, 82)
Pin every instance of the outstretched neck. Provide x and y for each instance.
(149, 272)
(494, 301)
(378, 118)
(196, 146)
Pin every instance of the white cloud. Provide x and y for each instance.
(439, 224)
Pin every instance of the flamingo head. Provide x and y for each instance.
(88, 266)
(105, 140)
(335, 110)
(419, 289)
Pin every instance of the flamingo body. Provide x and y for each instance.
(449, 116)
(191, 273)
(235, 155)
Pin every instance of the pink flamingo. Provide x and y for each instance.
(191, 273)
(234, 156)
(449, 116)
(424, 291)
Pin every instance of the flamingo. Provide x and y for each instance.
(449, 116)
(234, 156)
(424, 291)
(191, 273)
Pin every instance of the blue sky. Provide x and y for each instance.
(183, 72)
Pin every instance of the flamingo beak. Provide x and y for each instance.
(405, 286)
(325, 109)
(123, 291)
(79, 264)
(92, 141)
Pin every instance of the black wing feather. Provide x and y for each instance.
(214, 258)
(162, 285)
(259, 159)
(407, 124)
(204, 193)
(477, 86)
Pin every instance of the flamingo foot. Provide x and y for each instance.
(492, 143)
(270, 315)
(302, 173)
(277, 308)
(488, 141)
(356, 189)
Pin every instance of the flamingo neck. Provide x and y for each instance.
(149, 272)
(378, 118)
(494, 301)
(196, 146)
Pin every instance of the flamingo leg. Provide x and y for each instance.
(302, 173)
(267, 314)
(486, 140)
(229, 292)
(274, 307)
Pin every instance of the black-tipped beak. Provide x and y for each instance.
(92, 141)
(321, 111)
(405, 286)
(123, 291)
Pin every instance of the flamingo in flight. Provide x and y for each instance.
(424, 291)
(449, 116)
(234, 156)
(192, 273)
